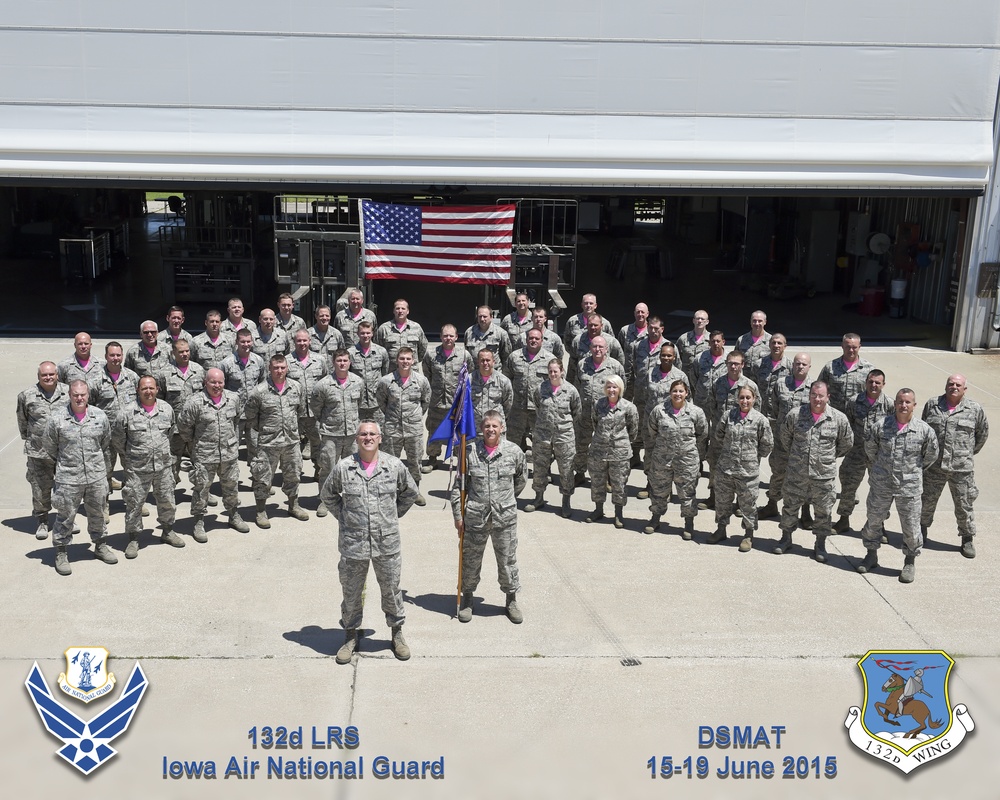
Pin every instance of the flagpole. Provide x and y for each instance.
(461, 535)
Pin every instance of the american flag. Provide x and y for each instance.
(448, 244)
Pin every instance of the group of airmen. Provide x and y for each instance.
(347, 392)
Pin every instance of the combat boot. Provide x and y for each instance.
(513, 612)
(653, 525)
(42, 531)
(211, 500)
(819, 551)
(597, 514)
(643, 494)
(869, 563)
(349, 647)
(709, 503)
(909, 570)
(719, 535)
(104, 553)
(132, 548)
(420, 501)
(843, 524)
(430, 466)
(746, 544)
(62, 561)
(688, 533)
(968, 548)
(237, 524)
(199, 530)
(169, 537)
(465, 609)
(296, 511)
(567, 509)
(322, 510)
(115, 484)
(806, 520)
(768, 511)
(537, 503)
(785, 544)
(262, 520)
(400, 649)
(619, 522)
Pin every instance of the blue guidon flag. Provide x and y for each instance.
(446, 244)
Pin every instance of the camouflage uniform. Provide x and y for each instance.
(69, 370)
(525, 377)
(768, 374)
(496, 394)
(80, 452)
(335, 408)
(33, 412)
(392, 339)
(678, 442)
(706, 374)
(143, 363)
(210, 431)
(275, 417)
(494, 338)
(813, 449)
(628, 335)
(689, 350)
(643, 356)
(721, 401)
(404, 408)
(960, 435)
(864, 417)
(589, 382)
(308, 374)
(550, 342)
(145, 440)
(753, 352)
(517, 327)
(899, 459)
(554, 435)
(165, 339)
(611, 448)
(654, 392)
(228, 329)
(442, 372)
(175, 387)
(113, 397)
(211, 354)
(844, 384)
(348, 325)
(577, 324)
(371, 367)
(738, 445)
(492, 483)
(785, 397)
(325, 344)
(275, 344)
(579, 349)
(294, 324)
(367, 510)
(243, 379)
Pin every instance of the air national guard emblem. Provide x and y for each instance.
(86, 677)
(907, 719)
(86, 744)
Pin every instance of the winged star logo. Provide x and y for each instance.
(86, 744)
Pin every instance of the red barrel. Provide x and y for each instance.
(872, 302)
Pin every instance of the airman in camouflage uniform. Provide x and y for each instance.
(550, 341)
(487, 334)
(961, 428)
(490, 390)
(846, 375)
(348, 319)
(742, 438)
(325, 338)
(308, 369)
(580, 346)
(557, 412)
(235, 321)
(113, 390)
(143, 434)
(175, 329)
(678, 442)
(244, 370)
(787, 394)
(80, 366)
(270, 340)
(335, 402)
(518, 321)
(709, 367)
(615, 422)
(772, 368)
(441, 368)
(721, 400)
(77, 438)
(287, 320)
(577, 324)
(180, 380)
(213, 346)
(815, 438)
(526, 368)
(495, 477)
(865, 415)
(643, 356)
(404, 397)
(691, 344)
(34, 406)
(148, 356)
(401, 331)
(370, 362)
(367, 493)
(900, 451)
(628, 334)
(208, 423)
(273, 411)
(593, 373)
(754, 344)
